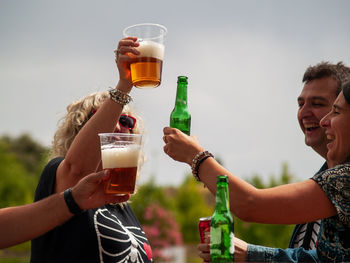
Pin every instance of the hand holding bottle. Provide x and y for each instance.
(179, 146)
(241, 248)
(204, 250)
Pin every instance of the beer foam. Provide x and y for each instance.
(151, 49)
(120, 157)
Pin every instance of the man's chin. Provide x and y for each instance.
(313, 138)
(311, 142)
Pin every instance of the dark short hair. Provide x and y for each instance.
(339, 72)
(346, 91)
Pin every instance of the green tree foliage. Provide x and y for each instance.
(190, 206)
(21, 162)
(187, 202)
(31, 154)
(15, 185)
(150, 193)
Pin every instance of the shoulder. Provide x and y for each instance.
(54, 163)
(328, 177)
(47, 179)
(49, 172)
(335, 182)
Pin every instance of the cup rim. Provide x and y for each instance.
(119, 134)
(147, 24)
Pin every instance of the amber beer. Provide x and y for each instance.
(122, 164)
(146, 68)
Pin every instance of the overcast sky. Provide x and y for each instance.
(244, 60)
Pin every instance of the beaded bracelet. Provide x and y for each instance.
(196, 162)
(119, 96)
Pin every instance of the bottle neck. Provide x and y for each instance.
(181, 94)
(222, 198)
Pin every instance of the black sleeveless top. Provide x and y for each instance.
(108, 234)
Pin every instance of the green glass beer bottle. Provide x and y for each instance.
(180, 117)
(221, 226)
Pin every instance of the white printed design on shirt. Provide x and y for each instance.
(118, 243)
(300, 237)
(299, 240)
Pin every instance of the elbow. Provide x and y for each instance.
(245, 209)
(244, 215)
(67, 175)
(71, 169)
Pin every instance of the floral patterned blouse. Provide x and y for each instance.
(333, 242)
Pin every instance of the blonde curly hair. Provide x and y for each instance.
(78, 113)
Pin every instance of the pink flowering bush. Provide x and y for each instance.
(161, 229)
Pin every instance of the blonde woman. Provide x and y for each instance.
(110, 233)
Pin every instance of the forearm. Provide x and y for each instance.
(23, 223)
(277, 205)
(84, 156)
(87, 142)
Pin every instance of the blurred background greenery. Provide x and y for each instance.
(168, 214)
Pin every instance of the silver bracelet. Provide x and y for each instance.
(196, 162)
(119, 96)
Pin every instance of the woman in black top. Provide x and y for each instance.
(110, 233)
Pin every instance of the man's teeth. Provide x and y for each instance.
(311, 126)
(330, 137)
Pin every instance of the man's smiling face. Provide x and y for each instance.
(315, 101)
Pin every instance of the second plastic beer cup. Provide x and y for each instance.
(146, 68)
(120, 153)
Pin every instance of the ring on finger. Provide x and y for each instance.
(117, 53)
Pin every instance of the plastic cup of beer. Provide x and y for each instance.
(146, 68)
(120, 154)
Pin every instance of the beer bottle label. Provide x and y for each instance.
(215, 235)
(215, 240)
(232, 246)
(181, 101)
